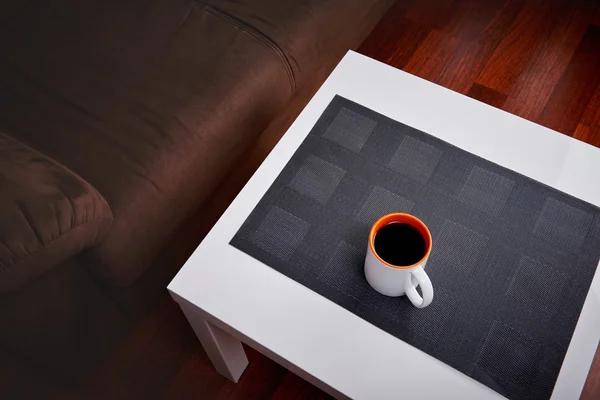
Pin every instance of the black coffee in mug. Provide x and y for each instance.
(400, 244)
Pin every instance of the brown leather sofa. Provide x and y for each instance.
(117, 121)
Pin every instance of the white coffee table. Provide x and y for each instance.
(229, 296)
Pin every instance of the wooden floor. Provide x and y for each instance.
(536, 59)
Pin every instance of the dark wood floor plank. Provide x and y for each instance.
(433, 14)
(433, 55)
(479, 40)
(295, 388)
(535, 84)
(591, 116)
(149, 359)
(19, 381)
(197, 379)
(517, 47)
(448, 53)
(487, 95)
(588, 129)
(587, 134)
(472, 17)
(576, 87)
(260, 380)
(412, 37)
(465, 63)
(392, 32)
(405, 28)
(395, 42)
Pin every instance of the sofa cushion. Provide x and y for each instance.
(47, 214)
(151, 101)
(304, 31)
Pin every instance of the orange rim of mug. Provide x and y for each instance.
(403, 218)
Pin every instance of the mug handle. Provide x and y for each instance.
(411, 290)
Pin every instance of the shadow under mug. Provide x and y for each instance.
(395, 280)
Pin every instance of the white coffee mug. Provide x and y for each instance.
(394, 280)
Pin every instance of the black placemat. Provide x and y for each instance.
(512, 259)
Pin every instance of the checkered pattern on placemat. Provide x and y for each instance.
(511, 263)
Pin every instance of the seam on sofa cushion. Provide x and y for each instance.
(28, 219)
(256, 34)
(102, 219)
(13, 277)
(7, 267)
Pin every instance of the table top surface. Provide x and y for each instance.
(338, 348)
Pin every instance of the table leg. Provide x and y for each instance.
(225, 351)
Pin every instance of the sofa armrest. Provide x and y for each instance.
(48, 214)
